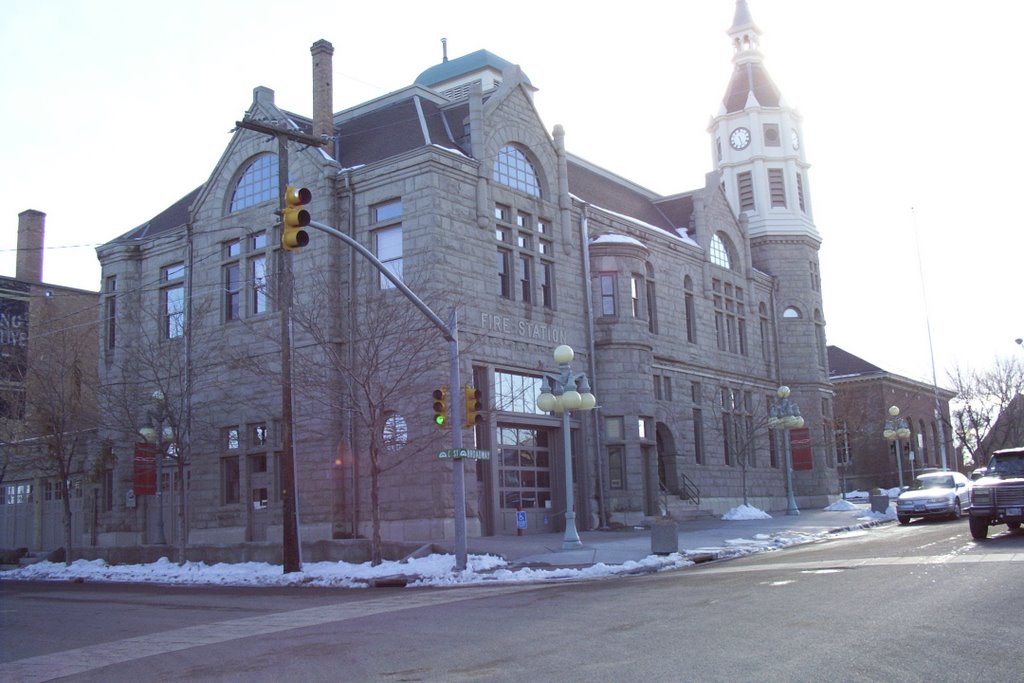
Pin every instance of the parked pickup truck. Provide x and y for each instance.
(998, 497)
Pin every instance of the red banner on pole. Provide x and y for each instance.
(144, 477)
(800, 446)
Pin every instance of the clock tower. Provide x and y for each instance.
(759, 152)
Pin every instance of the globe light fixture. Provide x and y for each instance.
(784, 415)
(160, 434)
(896, 431)
(562, 394)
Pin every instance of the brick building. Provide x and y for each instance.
(48, 419)
(685, 312)
(864, 395)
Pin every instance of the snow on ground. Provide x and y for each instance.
(745, 512)
(842, 506)
(433, 570)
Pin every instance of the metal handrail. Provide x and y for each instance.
(688, 489)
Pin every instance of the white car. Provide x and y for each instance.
(935, 494)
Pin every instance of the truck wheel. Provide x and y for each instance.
(1013, 526)
(979, 528)
(903, 519)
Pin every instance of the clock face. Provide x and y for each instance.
(795, 139)
(739, 138)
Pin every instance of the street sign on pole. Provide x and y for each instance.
(471, 453)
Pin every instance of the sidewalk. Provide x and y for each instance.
(699, 541)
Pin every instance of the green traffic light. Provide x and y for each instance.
(439, 420)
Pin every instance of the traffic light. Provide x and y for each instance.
(474, 404)
(294, 218)
(441, 406)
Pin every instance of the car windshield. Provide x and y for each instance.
(934, 483)
(1007, 466)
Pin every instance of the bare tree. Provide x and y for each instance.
(383, 357)
(739, 416)
(153, 393)
(860, 427)
(60, 400)
(988, 413)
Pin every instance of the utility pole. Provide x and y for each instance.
(291, 547)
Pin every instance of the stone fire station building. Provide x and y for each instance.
(686, 312)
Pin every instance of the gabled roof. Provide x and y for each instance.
(604, 191)
(376, 131)
(844, 364)
(174, 216)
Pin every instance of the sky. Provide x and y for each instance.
(116, 108)
(437, 569)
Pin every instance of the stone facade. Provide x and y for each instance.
(679, 311)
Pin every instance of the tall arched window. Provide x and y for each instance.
(258, 184)
(691, 315)
(819, 332)
(652, 304)
(512, 168)
(765, 328)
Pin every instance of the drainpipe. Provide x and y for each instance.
(588, 311)
(350, 438)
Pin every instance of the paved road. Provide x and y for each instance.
(916, 603)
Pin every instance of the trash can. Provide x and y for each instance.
(664, 536)
(879, 501)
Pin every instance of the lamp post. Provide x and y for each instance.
(155, 433)
(896, 430)
(560, 396)
(784, 415)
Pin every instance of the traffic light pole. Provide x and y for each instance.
(291, 548)
(450, 332)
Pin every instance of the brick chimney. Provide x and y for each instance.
(30, 246)
(323, 91)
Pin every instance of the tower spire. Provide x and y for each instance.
(745, 34)
(750, 83)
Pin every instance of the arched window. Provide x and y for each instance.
(819, 333)
(792, 312)
(720, 252)
(691, 315)
(765, 328)
(512, 168)
(258, 184)
(652, 303)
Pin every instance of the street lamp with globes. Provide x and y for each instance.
(896, 430)
(560, 395)
(784, 415)
(159, 434)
